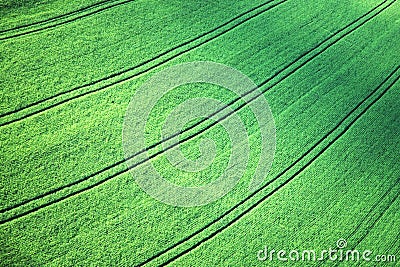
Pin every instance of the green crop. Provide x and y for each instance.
(329, 71)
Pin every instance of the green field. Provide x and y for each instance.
(329, 71)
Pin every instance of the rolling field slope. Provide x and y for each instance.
(329, 71)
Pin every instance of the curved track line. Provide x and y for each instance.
(66, 21)
(191, 127)
(286, 181)
(120, 73)
(373, 207)
(370, 227)
(393, 245)
(371, 210)
(368, 216)
(58, 17)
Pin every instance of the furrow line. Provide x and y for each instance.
(64, 22)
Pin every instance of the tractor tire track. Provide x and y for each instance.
(207, 238)
(120, 73)
(367, 217)
(170, 137)
(394, 244)
(374, 206)
(58, 17)
(61, 17)
(374, 222)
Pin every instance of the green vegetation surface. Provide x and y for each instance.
(328, 69)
